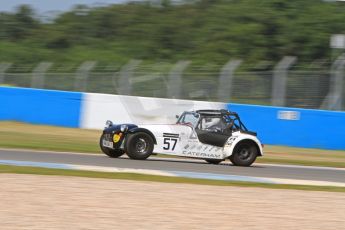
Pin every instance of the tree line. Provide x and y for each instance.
(205, 31)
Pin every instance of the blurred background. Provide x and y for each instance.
(267, 52)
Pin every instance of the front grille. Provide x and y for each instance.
(108, 137)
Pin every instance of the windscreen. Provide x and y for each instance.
(189, 119)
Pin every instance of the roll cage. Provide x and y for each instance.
(195, 117)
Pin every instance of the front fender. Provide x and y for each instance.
(112, 130)
(137, 129)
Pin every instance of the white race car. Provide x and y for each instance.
(212, 135)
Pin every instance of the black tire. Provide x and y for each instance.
(244, 154)
(139, 146)
(213, 161)
(113, 153)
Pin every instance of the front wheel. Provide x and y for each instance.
(139, 146)
(113, 153)
(244, 154)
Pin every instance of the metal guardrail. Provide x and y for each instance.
(284, 85)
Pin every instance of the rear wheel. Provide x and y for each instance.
(213, 161)
(113, 153)
(244, 154)
(139, 146)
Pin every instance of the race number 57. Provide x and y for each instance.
(169, 143)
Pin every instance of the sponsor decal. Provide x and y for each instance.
(231, 140)
(117, 137)
(288, 115)
(203, 148)
(201, 154)
(202, 151)
(192, 147)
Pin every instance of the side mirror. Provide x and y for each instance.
(177, 116)
(108, 123)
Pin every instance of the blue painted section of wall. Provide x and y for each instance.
(313, 129)
(40, 106)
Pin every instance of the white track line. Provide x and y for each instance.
(211, 176)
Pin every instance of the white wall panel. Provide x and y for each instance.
(97, 108)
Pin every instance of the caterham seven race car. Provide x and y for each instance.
(212, 135)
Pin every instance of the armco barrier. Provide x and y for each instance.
(295, 127)
(275, 125)
(40, 106)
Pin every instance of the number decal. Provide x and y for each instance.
(166, 143)
(175, 141)
(169, 142)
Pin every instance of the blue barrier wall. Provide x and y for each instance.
(40, 106)
(275, 125)
(294, 127)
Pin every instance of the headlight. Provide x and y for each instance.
(108, 124)
(124, 128)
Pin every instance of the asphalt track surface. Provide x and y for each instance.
(179, 164)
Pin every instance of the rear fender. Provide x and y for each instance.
(233, 141)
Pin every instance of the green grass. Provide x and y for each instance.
(303, 156)
(153, 178)
(26, 136)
